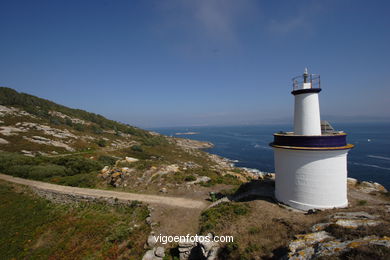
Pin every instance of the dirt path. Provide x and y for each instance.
(123, 196)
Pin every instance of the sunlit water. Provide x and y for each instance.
(249, 145)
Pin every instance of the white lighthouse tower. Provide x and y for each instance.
(310, 164)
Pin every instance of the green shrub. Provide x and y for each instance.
(154, 140)
(40, 172)
(97, 130)
(107, 160)
(119, 234)
(85, 180)
(142, 165)
(190, 178)
(79, 127)
(22, 171)
(220, 215)
(55, 121)
(78, 164)
(137, 148)
(362, 202)
(10, 159)
(68, 121)
(101, 142)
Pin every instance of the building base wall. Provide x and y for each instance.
(311, 179)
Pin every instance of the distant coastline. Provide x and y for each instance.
(369, 161)
(187, 133)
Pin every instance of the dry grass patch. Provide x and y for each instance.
(264, 230)
(34, 228)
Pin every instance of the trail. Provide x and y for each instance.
(96, 193)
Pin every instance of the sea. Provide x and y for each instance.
(248, 146)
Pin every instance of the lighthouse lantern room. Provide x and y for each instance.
(310, 164)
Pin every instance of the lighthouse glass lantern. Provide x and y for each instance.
(310, 163)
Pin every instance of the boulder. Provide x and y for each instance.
(353, 215)
(151, 242)
(270, 176)
(321, 244)
(125, 169)
(185, 249)
(160, 251)
(3, 141)
(354, 223)
(131, 159)
(149, 255)
(209, 248)
(352, 181)
(116, 174)
(368, 186)
(380, 187)
(306, 240)
(201, 179)
(105, 169)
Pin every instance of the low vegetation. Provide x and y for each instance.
(41, 108)
(34, 228)
(365, 252)
(69, 170)
(214, 219)
(344, 233)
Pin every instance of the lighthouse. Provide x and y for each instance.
(310, 163)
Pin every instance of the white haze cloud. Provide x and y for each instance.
(209, 20)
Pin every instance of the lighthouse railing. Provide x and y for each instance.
(313, 79)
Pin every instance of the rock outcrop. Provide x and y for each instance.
(320, 243)
(208, 249)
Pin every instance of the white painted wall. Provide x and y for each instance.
(311, 179)
(307, 114)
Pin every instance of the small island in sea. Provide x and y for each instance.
(187, 133)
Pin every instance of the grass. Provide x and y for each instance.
(214, 219)
(362, 202)
(70, 170)
(34, 228)
(367, 252)
(343, 233)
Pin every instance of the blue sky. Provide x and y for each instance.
(204, 62)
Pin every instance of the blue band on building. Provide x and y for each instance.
(306, 90)
(333, 140)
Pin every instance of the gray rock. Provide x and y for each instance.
(352, 181)
(303, 241)
(368, 186)
(353, 215)
(201, 179)
(354, 223)
(3, 141)
(321, 244)
(151, 242)
(149, 255)
(160, 251)
(209, 248)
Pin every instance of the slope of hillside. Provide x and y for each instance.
(45, 141)
(43, 123)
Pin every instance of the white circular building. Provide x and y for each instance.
(310, 163)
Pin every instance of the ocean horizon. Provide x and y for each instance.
(248, 146)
